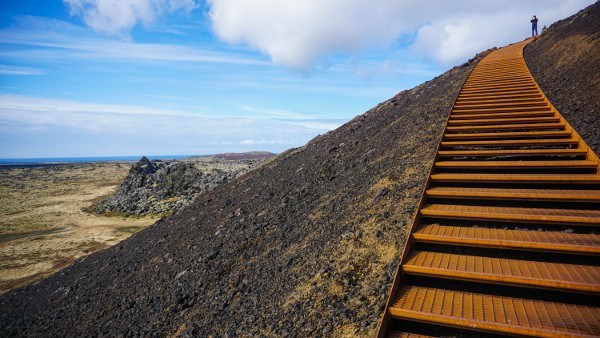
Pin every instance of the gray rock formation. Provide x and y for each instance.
(158, 187)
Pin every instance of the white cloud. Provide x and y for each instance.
(116, 17)
(16, 70)
(27, 103)
(59, 39)
(34, 127)
(296, 33)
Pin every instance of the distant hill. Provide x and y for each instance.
(305, 245)
(251, 155)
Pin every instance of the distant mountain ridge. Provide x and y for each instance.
(251, 155)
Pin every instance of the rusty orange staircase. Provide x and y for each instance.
(506, 240)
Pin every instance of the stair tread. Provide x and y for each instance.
(515, 120)
(506, 152)
(518, 178)
(511, 134)
(500, 86)
(553, 241)
(510, 93)
(531, 126)
(499, 79)
(524, 142)
(517, 164)
(515, 214)
(504, 193)
(552, 275)
(518, 104)
(475, 116)
(500, 98)
(493, 313)
(520, 109)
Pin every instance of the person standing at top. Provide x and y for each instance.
(534, 30)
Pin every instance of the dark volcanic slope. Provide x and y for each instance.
(565, 62)
(305, 245)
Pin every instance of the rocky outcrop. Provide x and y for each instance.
(159, 187)
(305, 245)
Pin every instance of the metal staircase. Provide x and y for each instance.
(506, 240)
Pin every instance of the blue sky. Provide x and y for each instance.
(155, 77)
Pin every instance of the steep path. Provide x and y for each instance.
(506, 237)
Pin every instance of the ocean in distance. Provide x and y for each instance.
(52, 161)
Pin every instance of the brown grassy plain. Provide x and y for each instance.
(43, 223)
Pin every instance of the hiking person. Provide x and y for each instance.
(534, 30)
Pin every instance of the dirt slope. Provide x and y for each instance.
(303, 246)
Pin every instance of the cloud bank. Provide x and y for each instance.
(297, 33)
(115, 17)
(42, 127)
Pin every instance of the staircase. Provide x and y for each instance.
(506, 240)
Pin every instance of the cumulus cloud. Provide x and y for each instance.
(296, 33)
(116, 17)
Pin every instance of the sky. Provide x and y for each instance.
(185, 77)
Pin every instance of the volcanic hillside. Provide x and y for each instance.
(306, 245)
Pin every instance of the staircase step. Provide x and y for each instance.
(513, 152)
(498, 83)
(502, 115)
(500, 98)
(496, 314)
(507, 104)
(518, 178)
(549, 275)
(515, 120)
(506, 143)
(498, 87)
(564, 195)
(510, 134)
(583, 164)
(533, 126)
(515, 93)
(459, 110)
(536, 96)
(513, 214)
(497, 79)
(551, 241)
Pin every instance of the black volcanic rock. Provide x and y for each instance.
(305, 245)
(157, 187)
